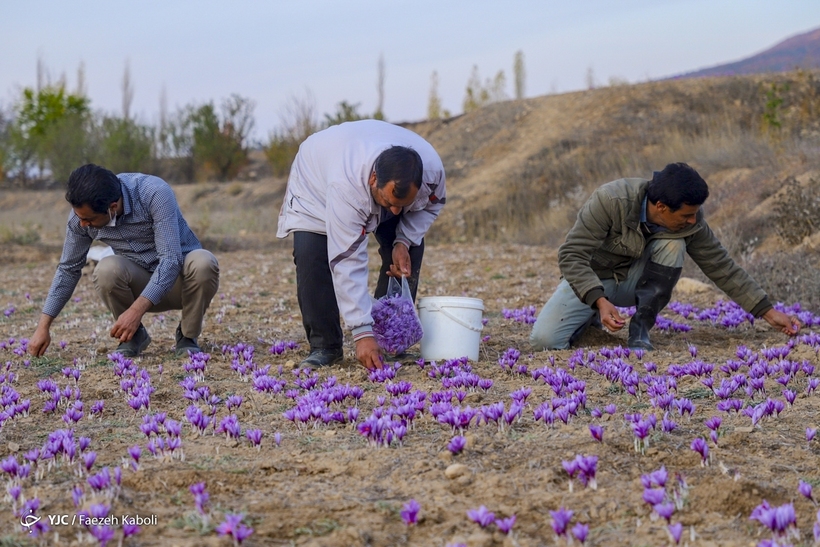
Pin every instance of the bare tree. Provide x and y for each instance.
(127, 91)
(520, 75)
(298, 118)
(590, 78)
(81, 90)
(433, 100)
(379, 113)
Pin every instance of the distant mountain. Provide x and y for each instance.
(801, 51)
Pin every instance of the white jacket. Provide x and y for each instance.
(328, 193)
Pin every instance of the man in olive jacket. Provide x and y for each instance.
(627, 249)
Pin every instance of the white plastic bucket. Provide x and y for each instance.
(452, 327)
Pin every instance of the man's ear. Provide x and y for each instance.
(372, 180)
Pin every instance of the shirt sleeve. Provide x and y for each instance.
(164, 214)
(346, 225)
(75, 251)
(591, 228)
(414, 224)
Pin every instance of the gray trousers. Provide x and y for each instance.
(564, 313)
(120, 281)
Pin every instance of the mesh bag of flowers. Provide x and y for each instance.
(396, 324)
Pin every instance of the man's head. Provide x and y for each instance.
(396, 178)
(94, 193)
(675, 196)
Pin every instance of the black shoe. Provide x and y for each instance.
(136, 345)
(322, 358)
(185, 344)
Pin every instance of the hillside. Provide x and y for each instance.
(801, 51)
(518, 171)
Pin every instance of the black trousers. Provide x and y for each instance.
(314, 283)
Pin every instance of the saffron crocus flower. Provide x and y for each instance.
(810, 433)
(805, 490)
(675, 531)
(665, 510)
(654, 496)
(232, 526)
(277, 438)
(129, 530)
(700, 446)
(505, 525)
(560, 520)
(410, 512)
(457, 444)
(481, 516)
(597, 432)
(580, 531)
(255, 437)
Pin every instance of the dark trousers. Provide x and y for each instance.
(314, 283)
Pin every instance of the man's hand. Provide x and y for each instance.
(401, 261)
(129, 321)
(610, 318)
(41, 339)
(787, 324)
(368, 353)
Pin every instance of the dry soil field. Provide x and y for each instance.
(325, 485)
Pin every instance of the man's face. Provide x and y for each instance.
(678, 220)
(384, 196)
(88, 217)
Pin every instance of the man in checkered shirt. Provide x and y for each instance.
(158, 262)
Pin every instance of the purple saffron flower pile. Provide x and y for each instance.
(396, 325)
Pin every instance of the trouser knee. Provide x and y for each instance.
(201, 267)
(110, 272)
(667, 252)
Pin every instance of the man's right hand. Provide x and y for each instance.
(368, 353)
(610, 318)
(41, 339)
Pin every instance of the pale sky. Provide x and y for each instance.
(271, 51)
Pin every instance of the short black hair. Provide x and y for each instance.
(94, 186)
(676, 185)
(399, 164)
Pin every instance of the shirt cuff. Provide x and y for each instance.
(762, 307)
(403, 240)
(593, 295)
(365, 331)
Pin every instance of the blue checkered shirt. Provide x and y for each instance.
(151, 232)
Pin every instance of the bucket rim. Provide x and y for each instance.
(454, 301)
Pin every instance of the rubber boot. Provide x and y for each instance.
(652, 294)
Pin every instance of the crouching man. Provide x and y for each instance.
(158, 262)
(627, 249)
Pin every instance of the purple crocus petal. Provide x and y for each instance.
(560, 520)
(229, 525)
(580, 531)
(410, 512)
(505, 525)
(675, 531)
(597, 432)
(810, 433)
(481, 516)
(129, 530)
(457, 444)
(654, 496)
(805, 489)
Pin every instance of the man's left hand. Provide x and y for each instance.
(401, 261)
(787, 324)
(129, 321)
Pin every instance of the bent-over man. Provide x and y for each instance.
(347, 181)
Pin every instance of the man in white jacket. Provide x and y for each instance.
(347, 181)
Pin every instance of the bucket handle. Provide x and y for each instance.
(459, 320)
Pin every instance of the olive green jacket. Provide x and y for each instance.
(606, 239)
